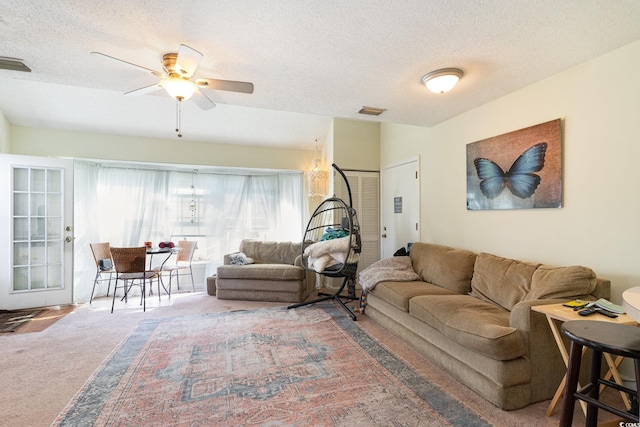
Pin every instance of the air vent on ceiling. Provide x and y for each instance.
(372, 111)
(13, 64)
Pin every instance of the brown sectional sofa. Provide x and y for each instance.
(275, 273)
(471, 315)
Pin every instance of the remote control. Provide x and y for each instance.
(606, 312)
(587, 311)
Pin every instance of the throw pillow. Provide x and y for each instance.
(561, 282)
(502, 281)
(240, 258)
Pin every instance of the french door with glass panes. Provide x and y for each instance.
(36, 239)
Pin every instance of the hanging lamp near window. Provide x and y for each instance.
(192, 203)
(317, 177)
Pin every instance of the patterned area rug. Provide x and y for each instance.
(268, 367)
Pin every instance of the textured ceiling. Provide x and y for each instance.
(310, 60)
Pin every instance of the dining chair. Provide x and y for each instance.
(130, 265)
(104, 265)
(184, 258)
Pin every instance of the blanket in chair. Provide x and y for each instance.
(326, 253)
(397, 269)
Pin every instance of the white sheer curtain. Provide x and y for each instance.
(126, 207)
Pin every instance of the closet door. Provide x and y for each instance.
(365, 192)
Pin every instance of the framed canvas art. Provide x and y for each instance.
(516, 170)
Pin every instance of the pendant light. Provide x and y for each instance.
(317, 177)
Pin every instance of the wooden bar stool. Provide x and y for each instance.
(600, 337)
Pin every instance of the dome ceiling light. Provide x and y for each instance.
(443, 80)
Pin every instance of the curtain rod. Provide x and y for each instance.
(159, 168)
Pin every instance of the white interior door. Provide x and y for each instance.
(36, 224)
(400, 201)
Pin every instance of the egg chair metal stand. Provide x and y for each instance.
(331, 247)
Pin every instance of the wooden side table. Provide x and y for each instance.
(559, 313)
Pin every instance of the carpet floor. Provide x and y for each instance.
(310, 367)
(42, 372)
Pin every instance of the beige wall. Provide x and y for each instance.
(41, 142)
(49, 143)
(5, 134)
(597, 226)
(352, 138)
(325, 149)
(599, 223)
(356, 144)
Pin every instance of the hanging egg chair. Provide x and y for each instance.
(331, 247)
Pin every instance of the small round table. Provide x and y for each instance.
(600, 337)
(631, 302)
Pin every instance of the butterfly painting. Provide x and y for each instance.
(520, 179)
(521, 169)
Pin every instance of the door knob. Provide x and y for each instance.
(384, 235)
(68, 239)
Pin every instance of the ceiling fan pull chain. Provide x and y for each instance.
(178, 117)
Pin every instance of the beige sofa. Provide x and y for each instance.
(471, 315)
(274, 274)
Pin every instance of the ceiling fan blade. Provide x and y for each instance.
(202, 101)
(140, 67)
(188, 60)
(230, 85)
(144, 90)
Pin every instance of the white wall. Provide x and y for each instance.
(599, 223)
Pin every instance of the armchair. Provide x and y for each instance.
(276, 273)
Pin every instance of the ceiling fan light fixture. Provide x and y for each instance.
(443, 80)
(178, 88)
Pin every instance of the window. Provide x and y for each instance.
(127, 205)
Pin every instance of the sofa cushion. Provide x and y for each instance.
(398, 294)
(443, 266)
(271, 252)
(475, 324)
(503, 281)
(261, 271)
(561, 282)
(251, 289)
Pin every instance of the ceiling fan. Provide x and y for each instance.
(177, 79)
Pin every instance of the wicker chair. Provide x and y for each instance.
(332, 220)
(183, 263)
(104, 266)
(130, 265)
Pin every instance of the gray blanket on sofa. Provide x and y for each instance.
(397, 269)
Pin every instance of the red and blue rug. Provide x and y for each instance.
(269, 367)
